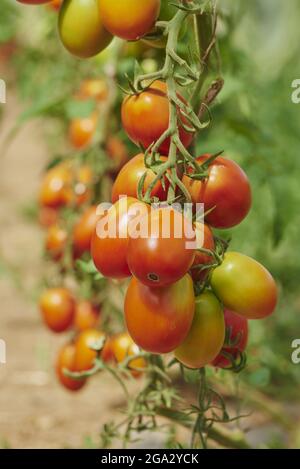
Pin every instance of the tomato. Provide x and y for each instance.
(128, 179)
(109, 249)
(86, 315)
(205, 240)
(56, 241)
(145, 117)
(84, 354)
(123, 347)
(237, 339)
(244, 286)
(84, 230)
(82, 184)
(55, 190)
(66, 360)
(82, 130)
(55, 4)
(93, 88)
(57, 306)
(81, 29)
(206, 336)
(158, 319)
(107, 354)
(164, 256)
(47, 216)
(226, 192)
(117, 153)
(129, 19)
(33, 2)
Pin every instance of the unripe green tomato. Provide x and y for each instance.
(207, 334)
(81, 29)
(245, 286)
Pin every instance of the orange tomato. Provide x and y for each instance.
(57, 306)
(123, 347)
(55, 189)
(47, 216)
(56, 240)
(82, 130)
(87, 315)
(66, 360)
(84, 354)
(93, 88)
(84, 230)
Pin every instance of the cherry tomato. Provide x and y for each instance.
(129, 19)
(93, 88)
(66, 360)
(237, 339)
(226, 192)
(206, 336)
(145, 117)
(56, 190)
(117, 153)
(84, 354)
(57, 306)
(56, 241)
(81, 29)
(47, 216)
(82, 184)
(158, 319)
(244, 286)
(82, 130)
(87, 315)
(123, 347)
(109, 247)
(205, 240)
(164, 256)
(128, 179)
(84, 230)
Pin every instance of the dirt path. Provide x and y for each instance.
(35, 412)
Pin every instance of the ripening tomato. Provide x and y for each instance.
(93, 88)
(47, 216)
(129, 19)
(84, 230)
(164, 255)
(110, 240)
(123, 347)
(207, 333)
(226, 192)
(237, 339)
(128, 179)
(205, 240)
(56, 190)
(87, 315)
(145, 117)
(57, 306)
(82, 130)
(81, 29)
(158, 319)
(84, 354)
(244, 286)
(66, 360)
(56, 241)
(117, 153)
(33, 2)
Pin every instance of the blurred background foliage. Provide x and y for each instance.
(254, 122)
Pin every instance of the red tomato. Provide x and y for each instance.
(109, 247)
(129, 19)
(84, 354)
(145, 117)
(57, 306)
(226, 191)
(123, 347)
(205, 240)
(56, 241)
(87, 315)
(245, 286)
(159, 319)
(82, 130)
(237, 339)
(128, 179)
(164, 256)
(206, 336)
(66, 360)
(84, 230)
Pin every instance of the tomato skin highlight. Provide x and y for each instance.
(145, 117)
(83, 231)
(238, 331)
(86, 316)
(110, 253)
(123, 347)
(158, 319)
(129, 19)
(227, 188)
(84, 355)
(243, 285)
(207, 333)
(158, 261)
(81, 28)
(202, 259)
(57, 306)
(65, 360)
(128, 179)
